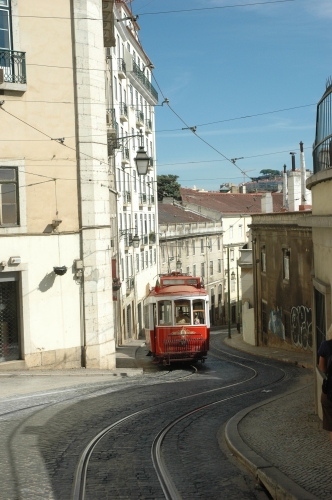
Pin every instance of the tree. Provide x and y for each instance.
(167, 186)
(269, 171)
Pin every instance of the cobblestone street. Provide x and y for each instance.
(44, 434)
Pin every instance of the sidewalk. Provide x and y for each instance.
(24, 382)
(281, 440)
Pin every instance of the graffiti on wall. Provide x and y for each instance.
(275, 323)
(301, 326)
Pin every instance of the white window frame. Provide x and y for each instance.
(22, 201)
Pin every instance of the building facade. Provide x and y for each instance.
(131, 124)
(282, 258)
(320, 184)
(192, 244)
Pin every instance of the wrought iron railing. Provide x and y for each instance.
(151, 199)
(122, 66)
(142, 198)
(123, 109)
(322, 155)
(125, 154)
(147, 84)
(130, 283)
(148, 124)
(126, 197)
(13, 65)
(144, 240)
(139, 116)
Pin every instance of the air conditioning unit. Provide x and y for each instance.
(2, 76)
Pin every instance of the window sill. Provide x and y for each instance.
(14, 87)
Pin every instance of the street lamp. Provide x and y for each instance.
(178, 264)
(233, 276)
(136, 241)
(142, 161)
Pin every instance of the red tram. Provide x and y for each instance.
(179, 327)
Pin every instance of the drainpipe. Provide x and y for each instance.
(285, 190)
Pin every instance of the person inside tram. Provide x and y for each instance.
(182, 319)
(197, 320)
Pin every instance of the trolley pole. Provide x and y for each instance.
(229, 295)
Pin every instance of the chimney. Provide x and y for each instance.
(294, 188)
(305, 193)
(266, 203)
(285, 189)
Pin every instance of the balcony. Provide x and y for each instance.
(145, 82)
(152, 238)
(122, 70)
(13, 65)
(148, 126)
(139, 118)
(126, 197)
(130, 283)
(112, 132)
(151, 200)
(125, 156)
(123, 112)
(245, 259)
(142, 199)
(144, 240)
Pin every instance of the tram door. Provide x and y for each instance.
(9, 327)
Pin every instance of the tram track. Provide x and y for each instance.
(169, 489)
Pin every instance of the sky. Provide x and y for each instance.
(220, 64)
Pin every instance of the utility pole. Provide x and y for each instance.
(229, 295)
(238, 297)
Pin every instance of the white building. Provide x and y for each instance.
(131, 123)
(192, 244)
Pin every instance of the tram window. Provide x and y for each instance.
(182, 311)
(199, 312)
(165, 312)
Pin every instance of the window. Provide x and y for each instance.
(5, 36)
(154, 256)
(219, 265)
(134, 181)
(231, 231)
(286, 256)
(211, 267)
(146, 258)
(182, 312)
(141, 224)
(263, 259)
(115, 88)
(240, 231)
(199, 312)
(231, 254)
(131, 96)
(164, 312)
(187, 248)
(233, 283)
(151, 257)
(194, 247)
(142, 261)
(8, 196)
(122, 270)
(210, 244)
(133, 142)
(172, 250)
(137, 262)
(163, 253)
(202, 245)
(188, 270)
(194, 270)
(202, 270)
(218, 242)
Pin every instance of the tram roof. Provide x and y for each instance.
(182, 290)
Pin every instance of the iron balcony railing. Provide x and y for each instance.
(124, 109)
(144, 240)
(322, 155)
(13, 65)
(126, 197)
(152, 238)
(122, 66)
(142, 198)
(125, 154)
(130, 283)
(147, 84)
(139, 116)
(148, 124)
(151, 199)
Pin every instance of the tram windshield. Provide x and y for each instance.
(182, 311)
(165, 312)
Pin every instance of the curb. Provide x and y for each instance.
(267, 356)
(278, 484)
